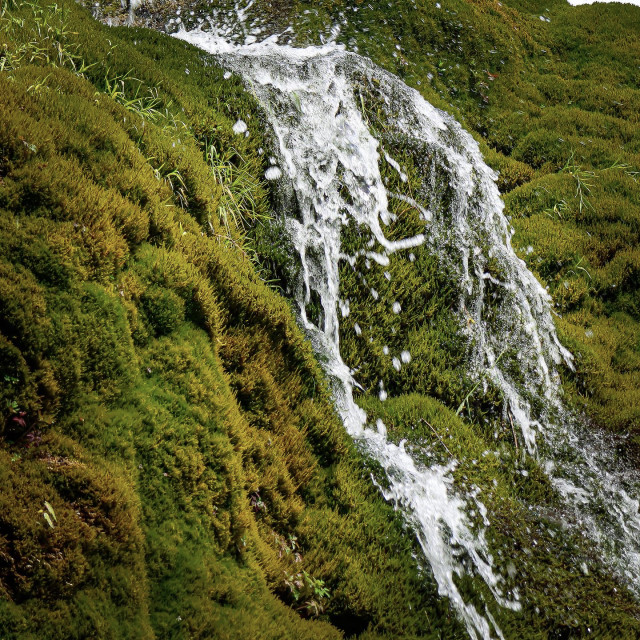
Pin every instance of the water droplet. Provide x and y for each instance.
(273, 173)
(240, 127)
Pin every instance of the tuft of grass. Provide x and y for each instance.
(145, 105)
(239, 206)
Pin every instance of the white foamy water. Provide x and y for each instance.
(331, 161)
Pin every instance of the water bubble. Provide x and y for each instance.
(273, 173)
(240, 127)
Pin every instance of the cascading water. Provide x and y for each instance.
(326, 151)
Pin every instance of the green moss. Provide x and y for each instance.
(154, 390)
(164, 310)
(159, 396)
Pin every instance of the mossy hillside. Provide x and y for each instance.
(155, 393)
(554, 106)
(551, 569)
(556, 114)
(533, 548)
(187, 300)
(570, 179)
(372, 338)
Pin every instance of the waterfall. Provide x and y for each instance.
(312, 99)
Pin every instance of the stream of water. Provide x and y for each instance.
(327, 154)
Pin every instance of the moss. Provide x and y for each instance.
(508, 487)
(154, 390)
(164, 310)
(51, 573)
(159, 396)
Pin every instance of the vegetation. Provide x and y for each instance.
(164, 425)
(551, 93)
(170, 462)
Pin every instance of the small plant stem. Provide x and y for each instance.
(513, 431)
(437, 436)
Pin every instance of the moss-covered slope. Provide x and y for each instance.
(171, 465)
(552, 93)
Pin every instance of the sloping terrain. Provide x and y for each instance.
(155, 394)
(171, 464)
